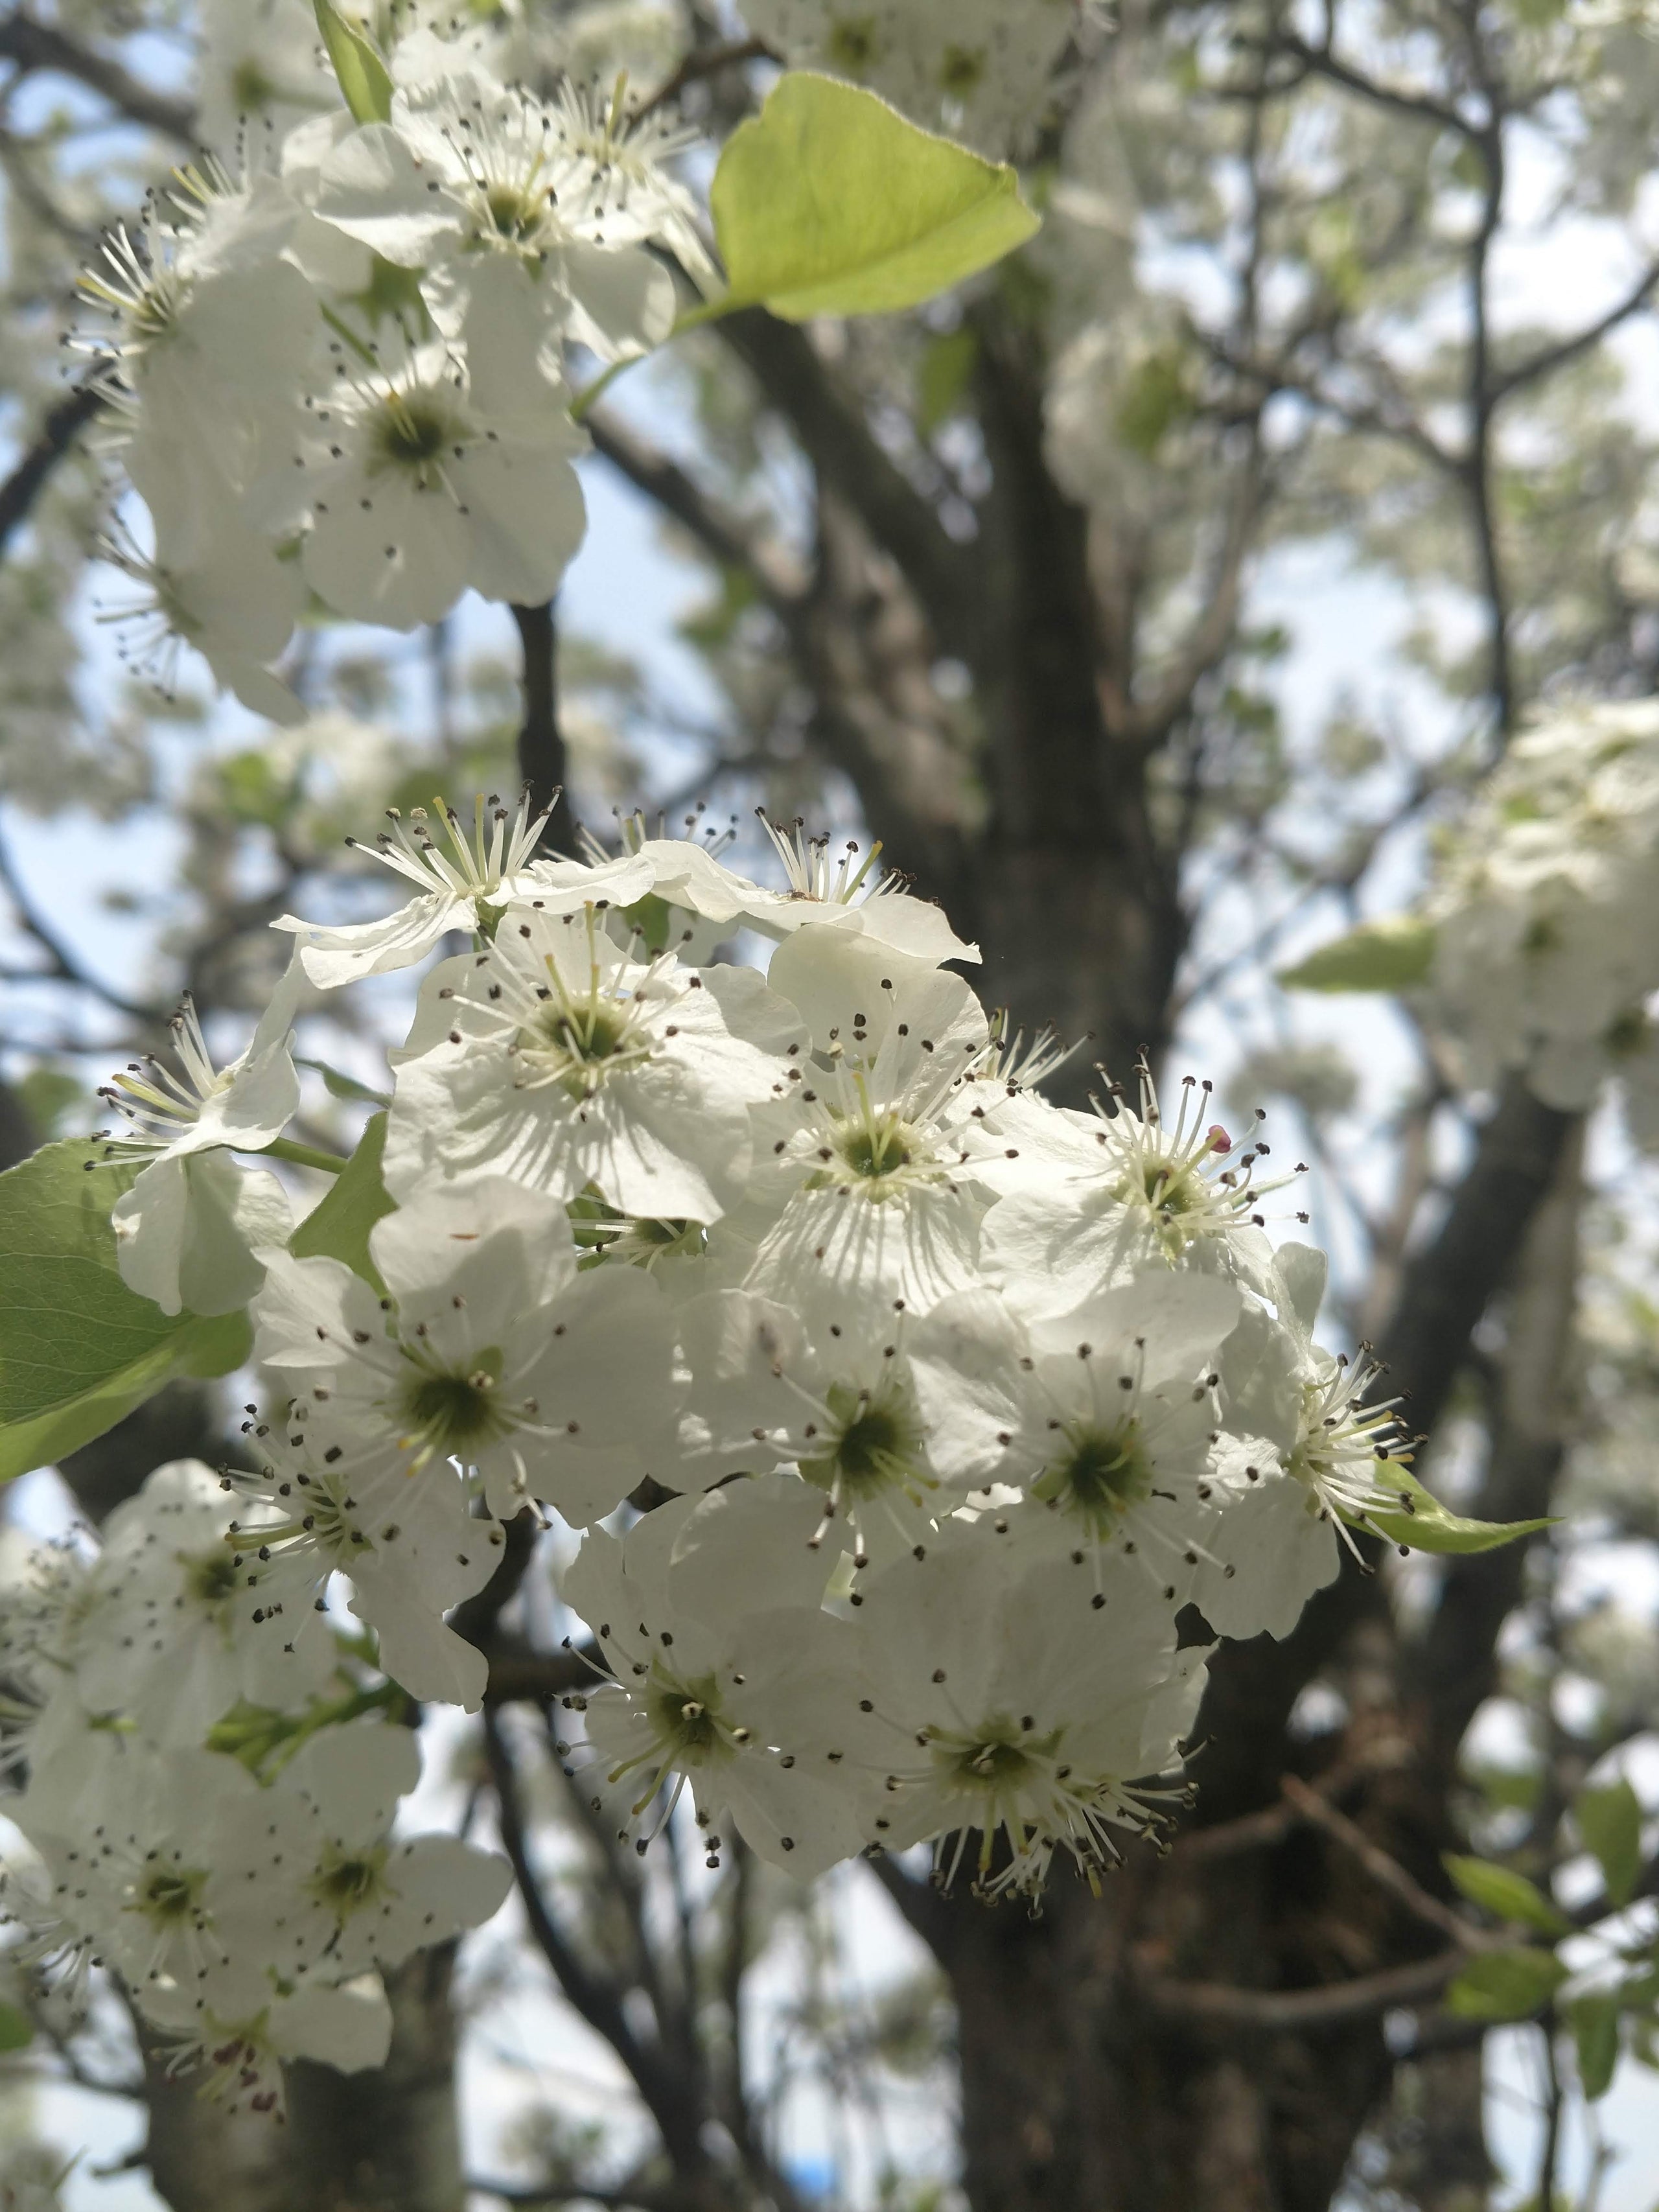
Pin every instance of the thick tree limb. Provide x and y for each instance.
(1454, 1667)
(36, 46)
(1446, 1288)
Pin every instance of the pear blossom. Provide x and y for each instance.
(184, 1232)
(554, 1058)
(462, 880)
(424, 468)
(1002, 1709)
(488, 1350)
(725, 1677)
(478, 182)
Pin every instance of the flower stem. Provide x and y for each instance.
(305, 1156)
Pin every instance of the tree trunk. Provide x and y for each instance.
(388, 2141)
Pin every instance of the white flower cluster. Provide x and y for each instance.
(208, 1805)
(1546, 915)
(335, 359)
(958, 1398)
(983, 69)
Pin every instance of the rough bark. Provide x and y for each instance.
(389, 2141)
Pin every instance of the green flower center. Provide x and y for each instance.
(515, 210)
(996, 1760)
(685, 1721)
(852, 44)
(962, 70)
(410, 430)
(168, 1896)
(878, 1446)
(346, 1881)
(454, 1412)
(209, 1576)
(1101, 1476)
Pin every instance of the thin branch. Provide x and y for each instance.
(1320, 62)
(1293, 2012)
(827, 420)
(678, 2116)
(1549, 358)
(1384, 1870)
(64, 967)
(34, 46)
(722, 534)
(542, 762)
(707, 63)
(576, 2192)
(59, 431)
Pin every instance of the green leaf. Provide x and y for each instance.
(78, 1349)
(16, 2029)
(830, 203)
(1506, 1984)
(1610, 1822)
(1424, 1524)
(1505, 1894)
(339, 1228)
(341, 1085)
(1392, 955)
(943, 378)
(363, 80)
(1593, 2019)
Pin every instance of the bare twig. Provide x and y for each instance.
(35, 46)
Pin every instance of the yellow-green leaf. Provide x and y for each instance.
(338, 1228)
(1506, 1984)
(78, 1349)
(1424, 1524)
(364, 81)
(1610, 1822)
(16, 2029)
(1505, 1894)
(1395, 954)
(830, 203)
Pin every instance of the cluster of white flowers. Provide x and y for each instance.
(209, 1796)
(334, 356)
(1545, 911)
(904, 1411)
(982, 69)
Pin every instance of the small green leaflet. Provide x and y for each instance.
(341, 1085)
(1506, 1984)
(339, 1228)
(16, 2029)
(1610, 1822)
(830, 203)
(1393, 955)
(78, 1349)
(363, 79)
(1594, 2019)
(1505, 1894)
(1426, 1525)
